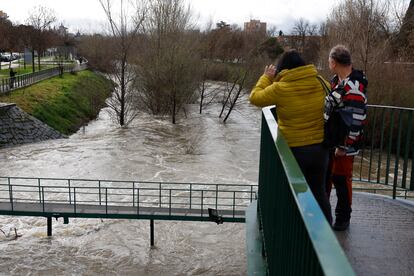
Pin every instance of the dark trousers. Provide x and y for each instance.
(313, 161)
(340, 175)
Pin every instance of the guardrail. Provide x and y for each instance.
(229, 198)
(9, 84)
(388, 149)
(297, 239)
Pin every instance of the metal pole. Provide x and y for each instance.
(191, 186)
(216, 195)
(40, 195)
(169, 209)
(70, 198)
(201, 203)
(160, 197)
(234, 202)
(99, 184)
(397, 154)
(43, 198)
(138, 201)
(152, 232)
(49, 226)
(133, 194)
(74, 199)
(106, 200)
(11, 196)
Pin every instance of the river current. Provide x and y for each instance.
(199, 148)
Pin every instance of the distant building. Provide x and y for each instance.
(62, 30)
(3, 15)
(255, 26)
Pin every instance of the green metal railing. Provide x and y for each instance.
(9, 84)
(297, 239)
(388, 149)
(113, 196)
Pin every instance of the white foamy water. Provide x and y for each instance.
(197, 149)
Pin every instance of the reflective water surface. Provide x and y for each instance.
(197, 149)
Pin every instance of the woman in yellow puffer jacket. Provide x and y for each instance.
(299, 99)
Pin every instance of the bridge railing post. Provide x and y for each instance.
(138, 201)
(99, 187)
(40, 192)
(216, 195)
(106, 200)
(43, 199)
(160, 195)
(74, 200)
(234, 203)
(70, 197)
(191, 188)
(11, 196)
(202, 200)
(133, 194)
(407, 149)
(169, 209)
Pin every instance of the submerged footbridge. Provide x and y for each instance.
(83, 198)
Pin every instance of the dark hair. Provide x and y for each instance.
(341, 55)
(289, 60)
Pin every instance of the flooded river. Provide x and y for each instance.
(197, 149)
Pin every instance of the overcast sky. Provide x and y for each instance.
(87, 15)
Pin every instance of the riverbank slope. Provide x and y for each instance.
(66, 103)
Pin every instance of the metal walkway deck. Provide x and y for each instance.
(380, 239)
(120, 212)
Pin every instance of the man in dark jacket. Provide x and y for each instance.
(12, 78)
(345, 114)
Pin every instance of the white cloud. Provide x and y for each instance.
(88, 14)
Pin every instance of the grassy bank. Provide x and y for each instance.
(64, 103)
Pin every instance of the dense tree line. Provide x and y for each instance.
(37, 34)
(161, 61)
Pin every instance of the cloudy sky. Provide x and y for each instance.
(87, 15)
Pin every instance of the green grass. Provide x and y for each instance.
(64, 103)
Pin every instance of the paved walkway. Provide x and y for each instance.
(380, 240)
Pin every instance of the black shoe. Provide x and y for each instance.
(341, 225)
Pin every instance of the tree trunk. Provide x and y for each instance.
(202, 96)
(38, 59)
(122, 113)
(33, 62)
(241, 85)
(228, 97)
(174, 107)
(11, 56)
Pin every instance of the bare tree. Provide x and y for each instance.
(363, 26)
(124, 28)
(169, 70)
(98, 50)
(6, 29)
(403, 41)
(41, 19)
(301, 27)
(245, 74)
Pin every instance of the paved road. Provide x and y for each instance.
(380, 240)
(5, 65)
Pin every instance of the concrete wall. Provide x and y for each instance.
(18, 127)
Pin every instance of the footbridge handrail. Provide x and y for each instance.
(387, 150)
(123, 199)
(297, 239)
